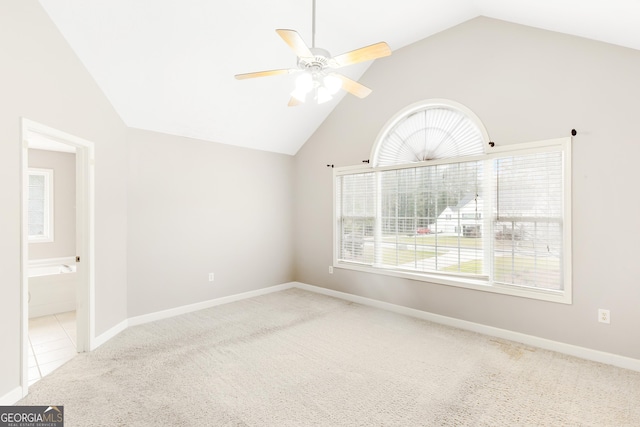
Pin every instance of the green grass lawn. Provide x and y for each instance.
(520, 270)
(432, 239)
(391, 256)
(528, 271)
(403, 256)
(542, 271)
(464, 242)
(471, 267)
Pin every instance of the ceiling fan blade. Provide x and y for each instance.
(293, 102)
(262, 74)
(367, 53)
(295, 42)
(352, 86)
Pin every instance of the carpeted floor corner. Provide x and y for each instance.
(296, 358)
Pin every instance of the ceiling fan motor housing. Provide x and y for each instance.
(317, 62)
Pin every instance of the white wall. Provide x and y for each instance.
(42, 80)
(525, 84)
(64, 201)
(197, 207)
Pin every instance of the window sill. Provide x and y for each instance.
(563, 297)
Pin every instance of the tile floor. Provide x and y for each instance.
(52, 343)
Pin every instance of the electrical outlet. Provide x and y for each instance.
(604, 316)
(330, 269)
(211, 277)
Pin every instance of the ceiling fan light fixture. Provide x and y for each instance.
(332, 83)
(323, 95)
(299, 95)
(304, 83)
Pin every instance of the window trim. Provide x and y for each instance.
(551, 145)
(48, 235)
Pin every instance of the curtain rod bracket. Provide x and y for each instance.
(574, 132)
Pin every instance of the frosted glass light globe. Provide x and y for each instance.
(332, 83)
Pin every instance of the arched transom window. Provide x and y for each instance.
(430, 130)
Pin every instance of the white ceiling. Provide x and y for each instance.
(168, 65)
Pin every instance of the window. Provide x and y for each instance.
(40, 215)
(494, 219)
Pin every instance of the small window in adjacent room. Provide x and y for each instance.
(437, 203)
(40, 216)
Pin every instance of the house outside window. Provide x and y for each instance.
(40, 212)
(439, 204)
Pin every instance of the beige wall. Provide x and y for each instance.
(193, 207)
(525, 84)
(42, 80)
(64, 200)
(198, 207)
(169, 210)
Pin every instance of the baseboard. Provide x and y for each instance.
(176, 311)
(106, 336)
(569, 349)
(16, 394)
(165, 314)
(52, 261)
(51, 308)
(12, 397)
(560, 347)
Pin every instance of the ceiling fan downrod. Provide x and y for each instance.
(313, 24)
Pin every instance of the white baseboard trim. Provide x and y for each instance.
(560, 347)
(16, 394)
(51, 308)
(71, 259)
(584, 353)
(106, 336)
(165, 314)
(12, 397)
(176, 311)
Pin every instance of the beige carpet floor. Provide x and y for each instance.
(296, 358)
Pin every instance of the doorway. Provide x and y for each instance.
(75, 319)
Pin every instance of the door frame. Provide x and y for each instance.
(85, 239)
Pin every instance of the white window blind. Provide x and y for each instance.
(495, 222)
(428, 133)
(356, 210)
(40, 215)
(529, 220)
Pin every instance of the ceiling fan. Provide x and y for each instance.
(315, 67)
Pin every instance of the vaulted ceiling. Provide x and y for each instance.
(169, 65)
